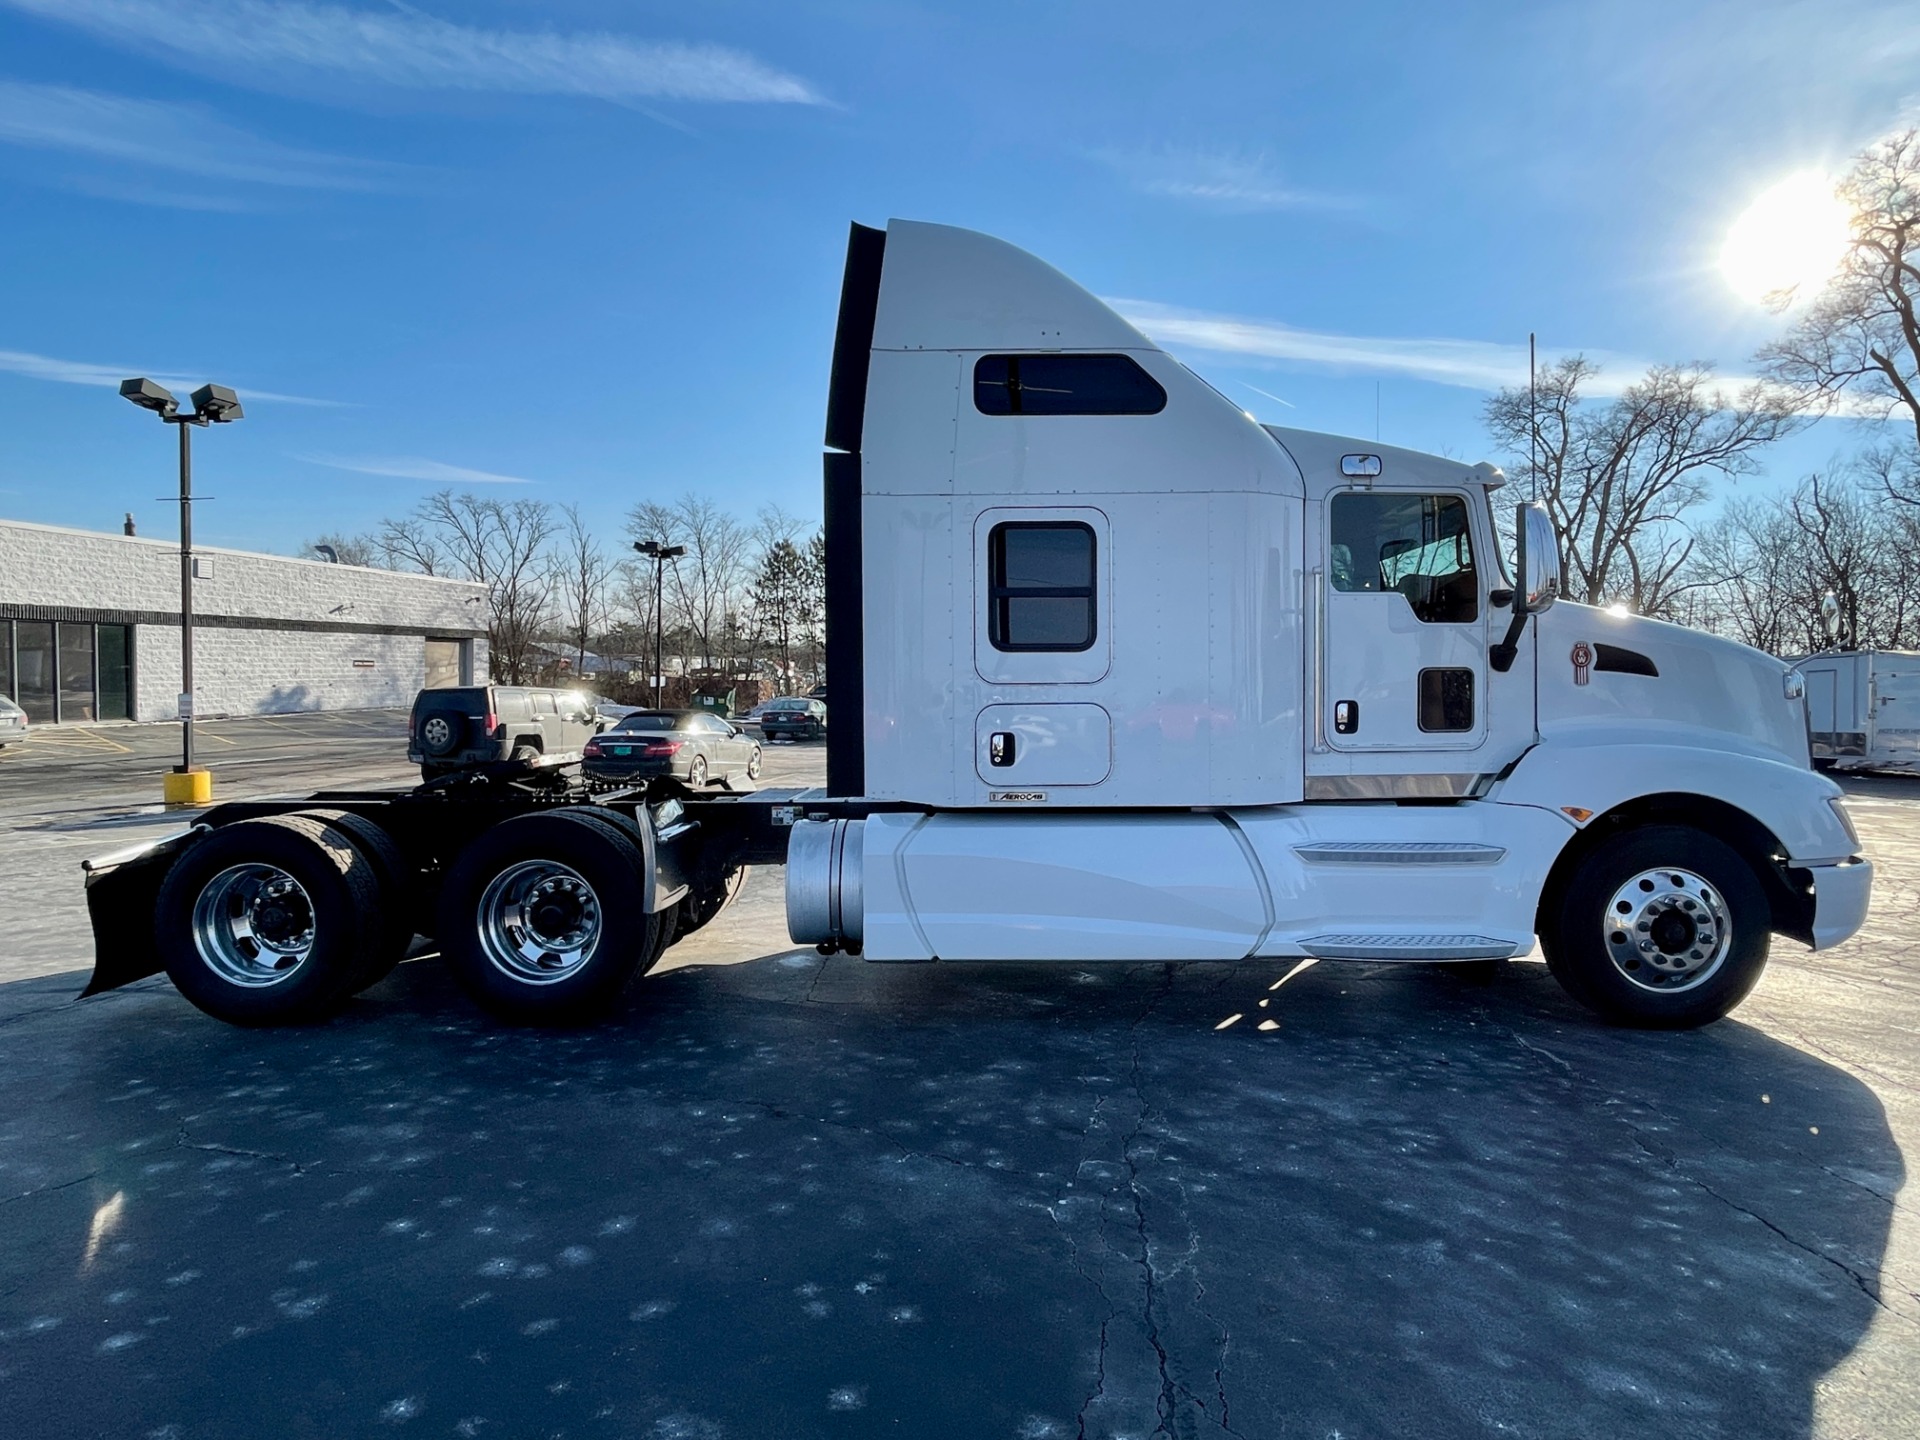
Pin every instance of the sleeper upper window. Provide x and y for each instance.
(1040, 585)
(1065, 385)
(1416, 545)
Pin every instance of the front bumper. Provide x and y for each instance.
(1840, 896)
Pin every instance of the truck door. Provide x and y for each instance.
(1403, 659)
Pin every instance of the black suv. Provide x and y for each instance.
(467, 725)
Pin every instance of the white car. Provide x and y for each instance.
(13, 722)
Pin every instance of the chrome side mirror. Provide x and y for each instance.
(1539, 557)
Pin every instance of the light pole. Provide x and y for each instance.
(659, 554)
(212, 405)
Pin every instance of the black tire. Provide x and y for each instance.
(697, 772)
(1577, 939)
(525, 754)
(441, 732)
(504, 980)
(205, 895)
(753, 764)
(430, 772)
(394, 879)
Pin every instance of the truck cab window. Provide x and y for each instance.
(1418, 546)
(1065, 385)
(1040, 586)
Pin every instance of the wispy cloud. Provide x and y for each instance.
(85, 372)
(183, 138)
(412, 467)
(253, 41)
(1220, 179)
(1470, 364)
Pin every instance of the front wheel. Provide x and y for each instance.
(753, 764)
(1663, 927)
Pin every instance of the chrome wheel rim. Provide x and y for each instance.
(1667, 930)
(539, 922)
(753, 766)
(437, 733)
(253, 925)
(697, 772)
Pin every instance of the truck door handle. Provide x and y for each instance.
(1346, 717)
(1000, 748)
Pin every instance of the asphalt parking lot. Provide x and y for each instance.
(787, 1196)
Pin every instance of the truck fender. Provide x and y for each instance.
(122, 889)
(1789, 800)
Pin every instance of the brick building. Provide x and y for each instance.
(90, 630)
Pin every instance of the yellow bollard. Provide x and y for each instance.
(189, 787)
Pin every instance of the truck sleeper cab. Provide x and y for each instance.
(1149, 681)
(1118, 674)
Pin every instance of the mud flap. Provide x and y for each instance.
(121, 891)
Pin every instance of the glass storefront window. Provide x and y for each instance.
(33, 640)
(76, 673)
(115, 656)
(6, 658)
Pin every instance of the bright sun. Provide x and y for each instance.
(1791, 238)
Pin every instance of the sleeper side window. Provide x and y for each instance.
(1416, 545)
(1040, 585)
(1065, 385)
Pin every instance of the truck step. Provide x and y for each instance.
(1399, 852)
(1349, 946)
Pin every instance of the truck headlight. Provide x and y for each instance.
(1839, 808)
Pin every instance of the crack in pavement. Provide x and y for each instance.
(181, 1142)
(50, 1189)
(1671, 1162)
(1867, 1288)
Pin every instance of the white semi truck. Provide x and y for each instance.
(1116, 673)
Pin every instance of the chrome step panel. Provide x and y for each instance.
(1399, 852)
(1352, 946)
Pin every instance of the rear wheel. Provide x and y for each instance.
(697, 772)
(393, 878)
(1663, 927)
(266, 922)
(525, 754)
(542, 918)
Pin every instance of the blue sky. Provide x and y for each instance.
(596, 246)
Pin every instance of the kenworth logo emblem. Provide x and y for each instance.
(1582, 662)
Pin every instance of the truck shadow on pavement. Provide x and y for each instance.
(800, 1197)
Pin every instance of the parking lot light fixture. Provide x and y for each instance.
(659, 552)
(212, 405)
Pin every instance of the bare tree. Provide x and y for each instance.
(707, 584)
(1765, 567)
(582, 573)
(1860, 336)
(1619, 476)
(497, 543)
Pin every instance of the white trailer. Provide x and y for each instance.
(1115, 673)
(1863, 709)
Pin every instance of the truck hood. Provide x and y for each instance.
(1598, 668)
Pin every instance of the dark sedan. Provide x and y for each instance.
(793, 718)
(689, 745)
